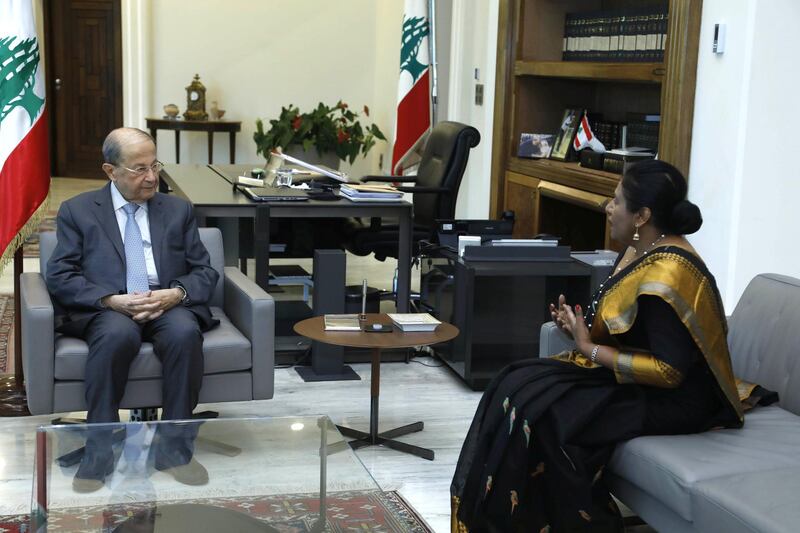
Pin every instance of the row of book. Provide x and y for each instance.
(641, 129)
(643, 133)
(611, 134)
(624, 35)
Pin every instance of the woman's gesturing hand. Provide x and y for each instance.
(559, 315)
(576, 326)
(570, 322)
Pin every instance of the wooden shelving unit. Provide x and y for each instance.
(626, 72)
(534, 87)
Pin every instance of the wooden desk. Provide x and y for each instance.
(210, 126)
(213, 196)
(314, 328)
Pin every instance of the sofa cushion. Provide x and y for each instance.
(225, 349)
(764, 336)
(667, 466)
(764, 502)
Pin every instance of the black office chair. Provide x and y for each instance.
(435, 191)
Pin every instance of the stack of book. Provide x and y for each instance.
(414, 321)
(634, 34)
(370, 193)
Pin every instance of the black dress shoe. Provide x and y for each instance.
(191, 473)
(92, 472)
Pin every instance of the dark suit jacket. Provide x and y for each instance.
(88, 262)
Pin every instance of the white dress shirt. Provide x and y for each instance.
(144, 227)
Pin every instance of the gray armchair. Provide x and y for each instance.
(239, 354)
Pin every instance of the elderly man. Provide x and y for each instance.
(129, 267)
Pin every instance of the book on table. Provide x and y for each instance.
(414, 321)
(348, 322)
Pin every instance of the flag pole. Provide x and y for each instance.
(19, 376)
(432, 53)
(13, 401)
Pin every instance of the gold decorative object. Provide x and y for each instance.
(215, 112)
(171, 110)
(195, 100)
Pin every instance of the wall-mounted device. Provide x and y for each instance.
(719, 38)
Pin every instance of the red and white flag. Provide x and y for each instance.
(24, 159)
(584, 138)
(414, 86)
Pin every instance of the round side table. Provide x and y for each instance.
(314, 328)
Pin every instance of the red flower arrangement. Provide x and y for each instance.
(329, 129)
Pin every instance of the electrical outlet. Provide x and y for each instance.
(478, 94)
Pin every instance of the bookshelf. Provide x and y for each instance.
(535, 86)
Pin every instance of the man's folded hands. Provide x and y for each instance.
(145, 306)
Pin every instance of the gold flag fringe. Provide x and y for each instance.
(26, 231)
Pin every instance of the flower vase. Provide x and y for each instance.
(328, 159)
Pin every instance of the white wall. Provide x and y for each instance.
(743, 173)
(474, 45)
(253, 57)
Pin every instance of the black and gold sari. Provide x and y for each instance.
(544, 430)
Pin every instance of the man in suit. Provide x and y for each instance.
(129, 267)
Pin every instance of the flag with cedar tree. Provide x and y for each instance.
(414, 86)
(24, 160)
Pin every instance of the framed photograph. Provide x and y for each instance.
(535, 145)
(562, 147)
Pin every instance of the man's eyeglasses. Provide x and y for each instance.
(141, 171)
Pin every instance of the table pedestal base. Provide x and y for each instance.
(373, 438)
(309, 374)
(314, 328)
(387, 439)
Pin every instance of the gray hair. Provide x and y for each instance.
(118, 138)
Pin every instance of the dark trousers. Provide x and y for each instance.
(114, 340)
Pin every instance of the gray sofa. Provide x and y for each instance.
(730, 480)
(239, 356)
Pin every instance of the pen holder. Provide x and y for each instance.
(283, 179)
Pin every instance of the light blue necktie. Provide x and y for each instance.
(136, 272)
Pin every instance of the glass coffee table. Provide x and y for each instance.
(263, 474)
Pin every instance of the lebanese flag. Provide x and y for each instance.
(414, 86)
(584, 138)
(24, 159)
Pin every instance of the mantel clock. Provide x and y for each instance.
(195, 100)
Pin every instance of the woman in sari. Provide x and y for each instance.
(651, 358)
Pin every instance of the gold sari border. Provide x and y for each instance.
(680, 279)
(623, 367)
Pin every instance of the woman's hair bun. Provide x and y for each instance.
(685, 218)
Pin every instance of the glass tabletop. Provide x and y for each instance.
(238, 474)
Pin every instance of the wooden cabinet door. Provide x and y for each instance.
(520, 197)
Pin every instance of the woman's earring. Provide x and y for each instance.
(636, 234)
